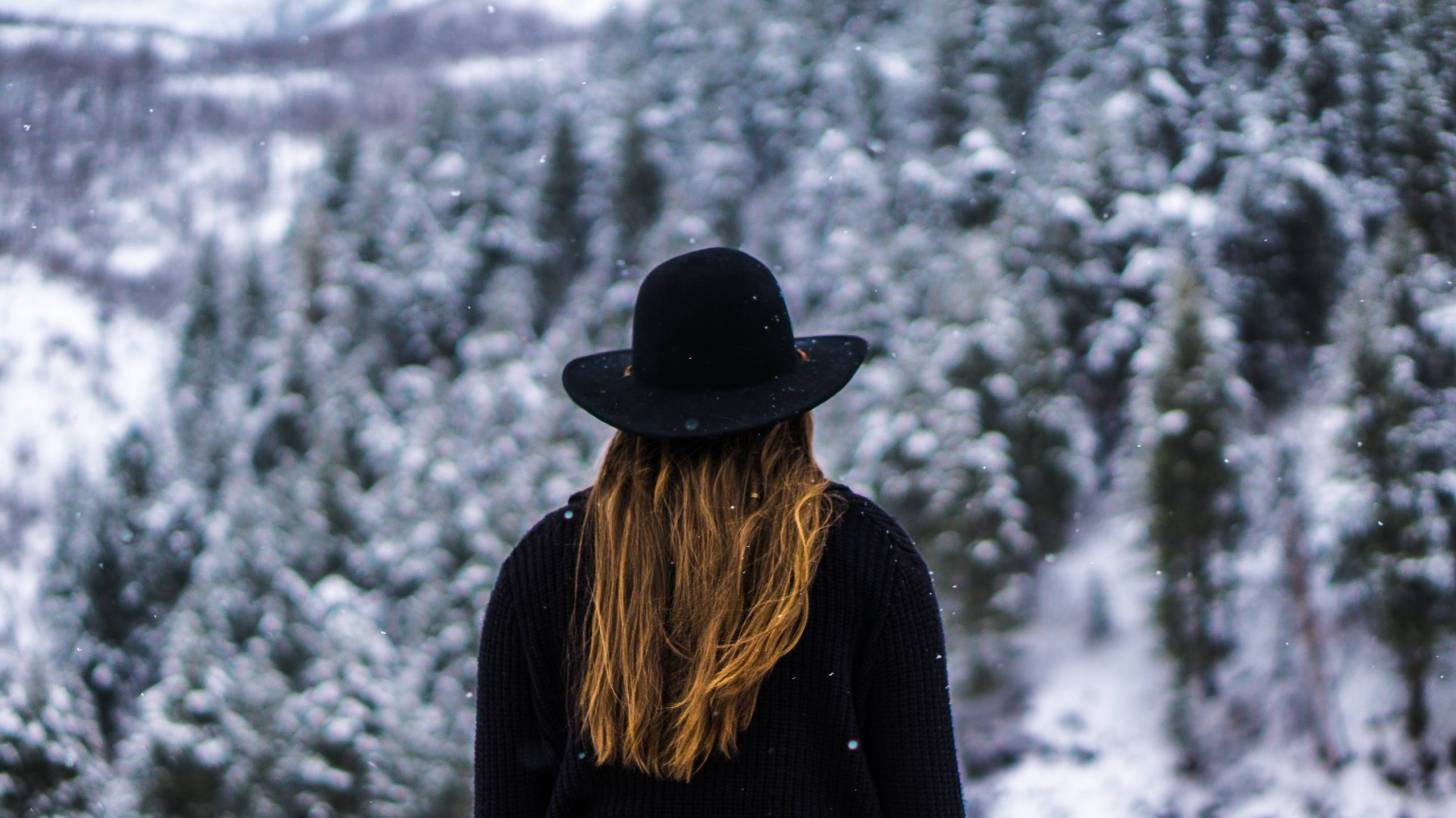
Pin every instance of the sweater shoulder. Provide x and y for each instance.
(865, 520)
(545, 541)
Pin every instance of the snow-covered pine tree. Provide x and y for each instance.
(200, 361)
(1421, 148)
(1186, 409)
(279, 698)
(114, 578)
(49, 761)
(870, 95)
(947, 101)
(254, 316)
(341, 163)
(1374, 32)
(1024, 397)
(1395, 543)
(639, 191)
(497, 242)
(1052, 241)
(1325, 48)
(439, 121)
(412, 305)
(201, 375)
(1216, 18)
(950, 481)
(1267, 27)
(920, 450)
(1027, 53)
(1284, 236)
(561, 221)
(282, 426)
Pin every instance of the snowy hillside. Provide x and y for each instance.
(71, 381)
(215, 18)
(285, 19)
(1097, 745)
(90, 306)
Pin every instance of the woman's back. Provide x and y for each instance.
(714, 627)
(854, 721)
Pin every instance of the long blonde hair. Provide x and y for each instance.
(703, 553)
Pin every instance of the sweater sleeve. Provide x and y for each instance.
(909, 739)
(514, 766)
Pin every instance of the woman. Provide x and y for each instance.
(762, 641)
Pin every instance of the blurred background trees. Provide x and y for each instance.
(1141, 280)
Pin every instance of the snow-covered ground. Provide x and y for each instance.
(70, 381)
(1097, 711)
(546, 65)
(256, 87)
(72, 375)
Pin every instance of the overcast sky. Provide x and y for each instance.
(224, 17)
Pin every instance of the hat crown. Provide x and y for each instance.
(711, 318)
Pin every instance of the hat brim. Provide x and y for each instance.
(597, 383)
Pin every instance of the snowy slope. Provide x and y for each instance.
(1096, 712)
(1096, 716)
(166, 46)
(72, 378)
(70, 381)
(272, 18)
(214, 18)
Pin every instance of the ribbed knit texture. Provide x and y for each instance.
(854, 721)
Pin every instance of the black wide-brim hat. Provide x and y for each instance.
(713, 352)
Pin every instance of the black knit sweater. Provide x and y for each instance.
(854, 721)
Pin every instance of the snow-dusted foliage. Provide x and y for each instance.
(1397, 538)
(48, 765)
(1160, 303)
(1187, 406)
